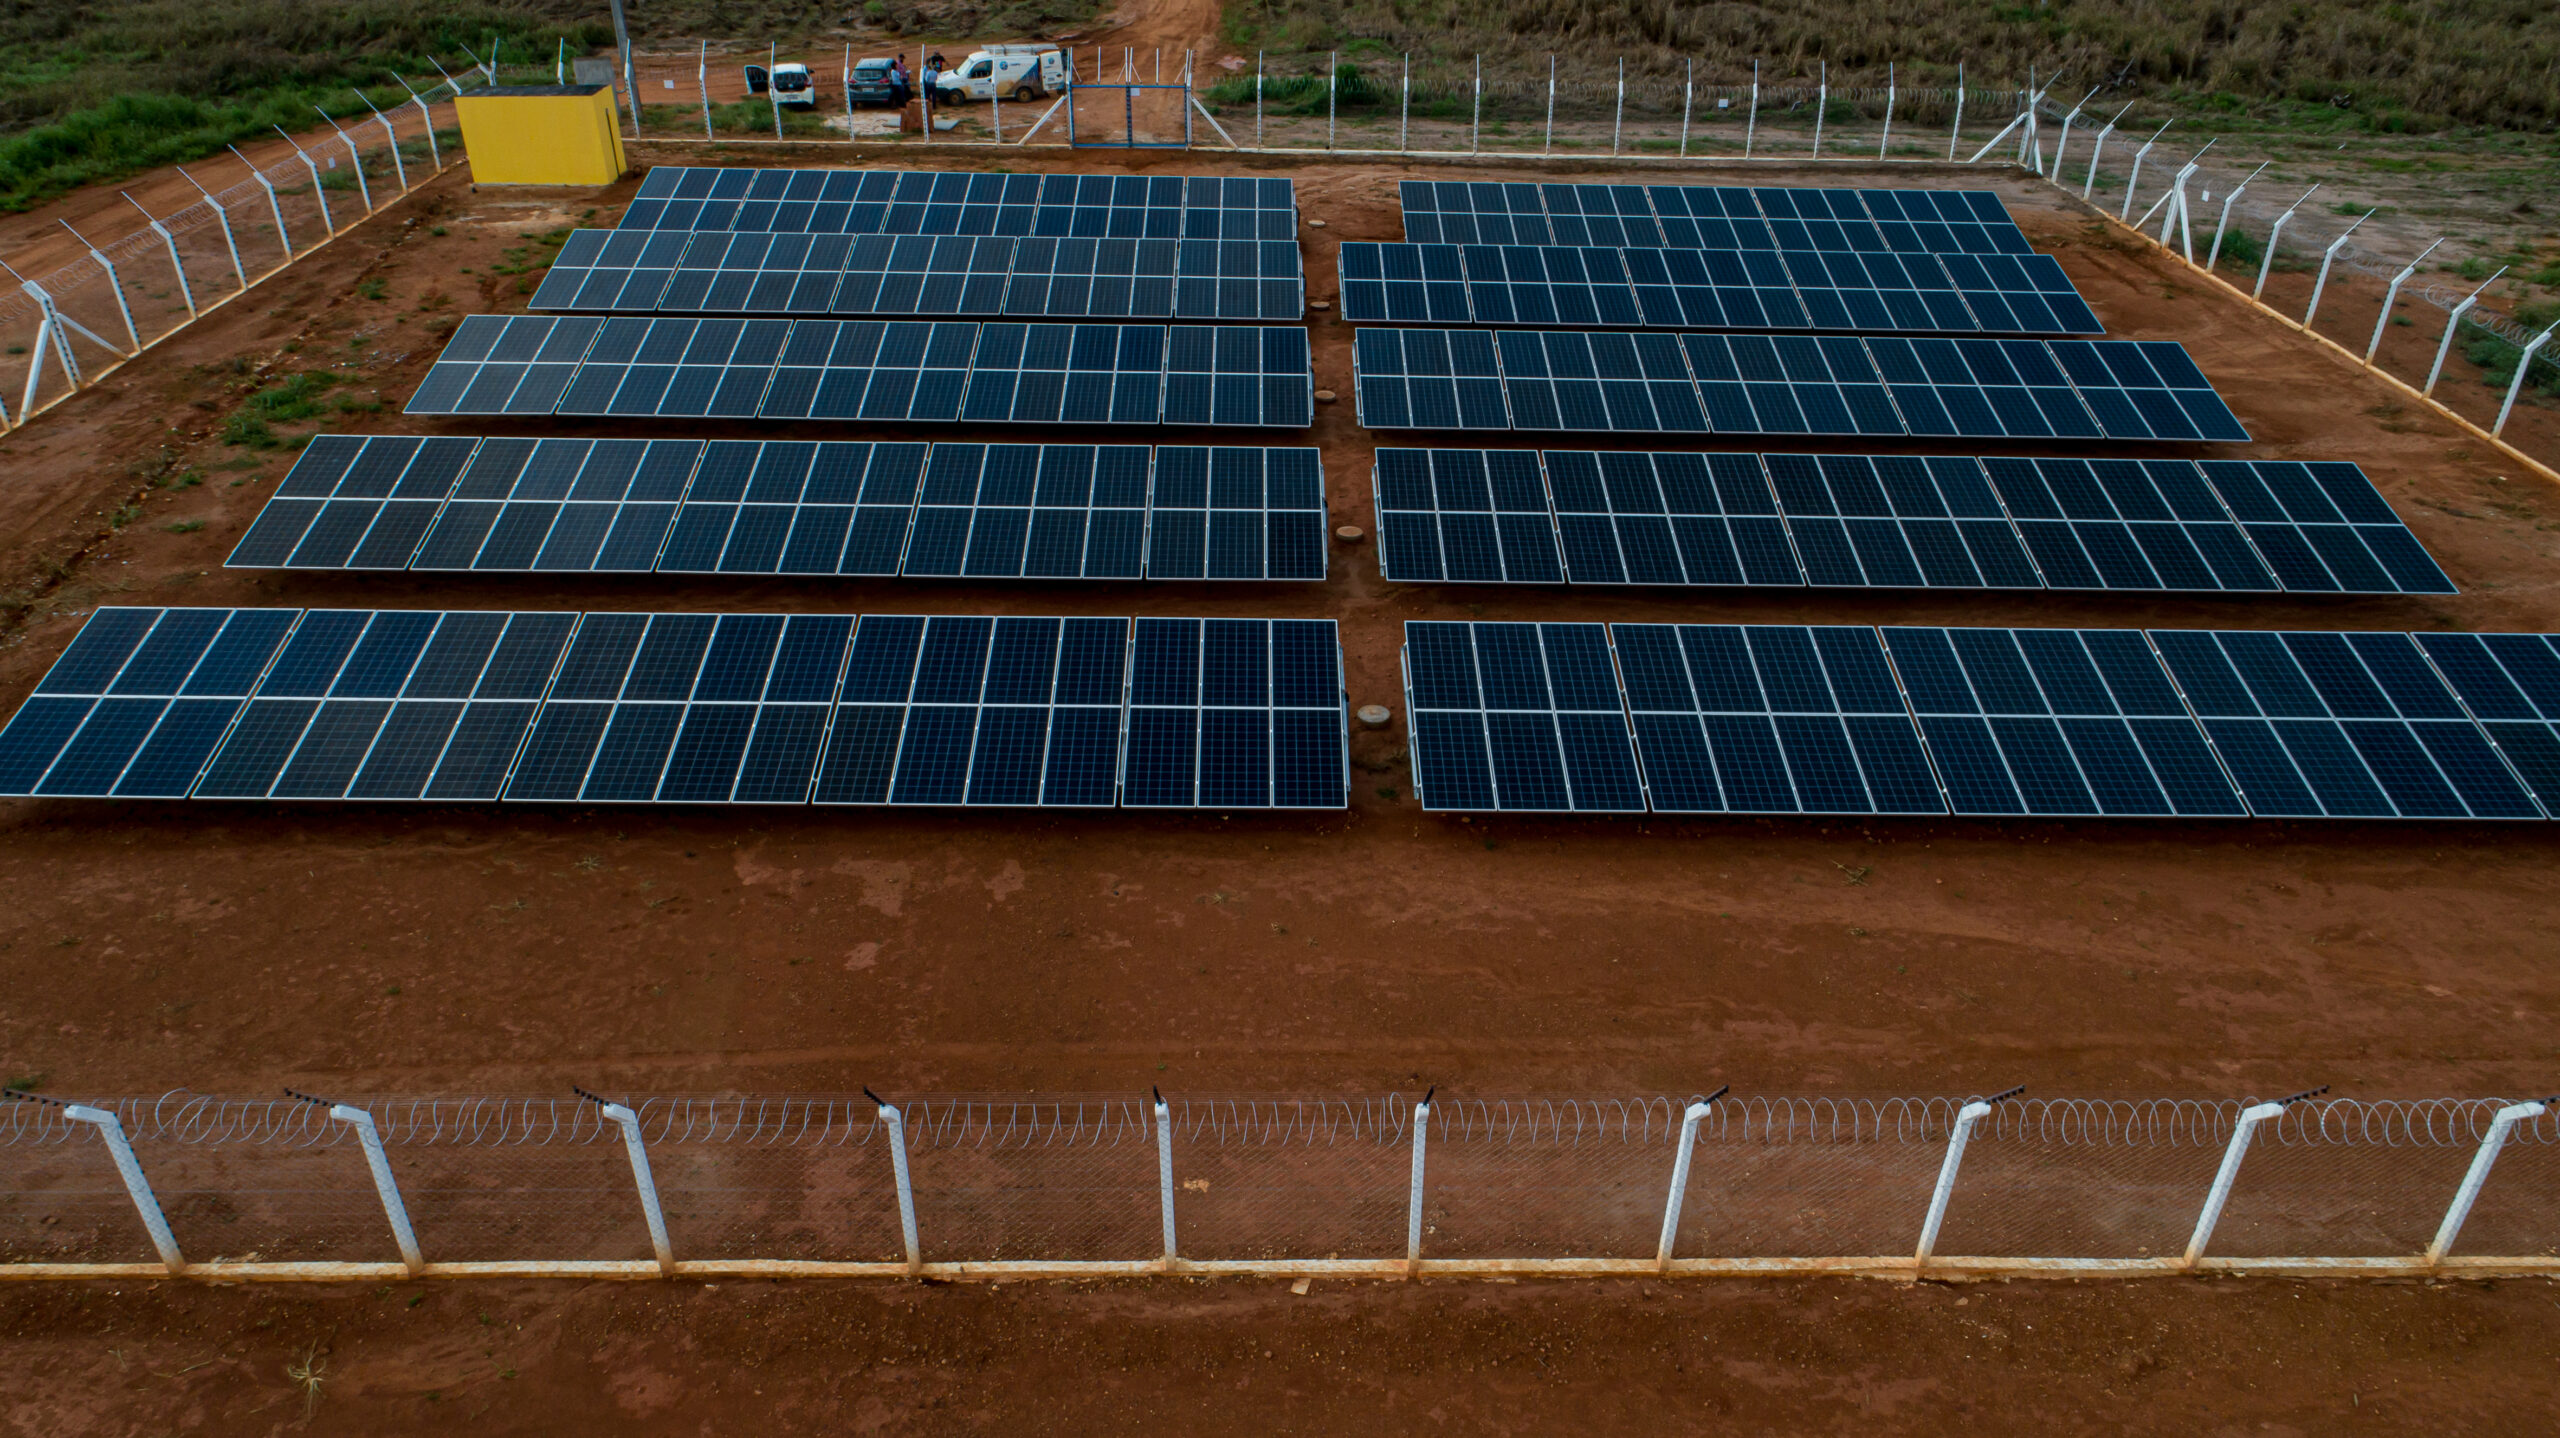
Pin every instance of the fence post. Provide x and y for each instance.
(115, 286)
(1966, 1117)
(399, 167)
(897, 1123)
(52, 327)
(176, 265)
(2135, 178)
(222, 217)
(773, 56)
(1257, 99)
(1885, 140)
(2329, 257)
(2063, 142)
(1551, 104)
(2524, 362)
(2267, 261)
(318, 193)
(1475, 124)
(1618, 124)
(2214, 255)
(129, 1168)
(641, 1178)
(2391, 297)
(630, 82)
(1821, 103)
(1404, 106)
(364, 192)
(2478, 1174)
(1688, 95)
(1957, 128)
(385, 1187)
(2223, 1177)
(1413, 1200)
(1689, 1120)
(2090, 182)
(2453, 322)
(1751, 117)
(1164, 1175)
(426, 120)
(1332, 94)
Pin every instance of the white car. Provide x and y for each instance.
(1014, 72)
(788, 84)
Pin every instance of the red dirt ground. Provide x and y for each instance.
(376, 948)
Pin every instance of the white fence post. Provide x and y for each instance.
(1164, 1174)
(1257, 99)
(2223, 1177)
(1618, 124)
(319, 192)
(129, 1168)
(2391, 297)
(897, 1123)
(2329, 257)
(222, 217)
(1413, 1200)
(1821, 103)
(378, 1161)
(1751, 118)
(1957, 129)
(641, 1178)
(1689, 1120)
(2214, 255)
(1475, 124)
(2090, 181)
(1551, 104)
(364, 191)
(115, 286)
(51, 328)
(1332, 94)
(177, 266)
(2063, 141)
(2478, 1174)
(2453, 322)
(1404, 107)
(1966, 1117)
(2134, 179)
(427, 120)
(2524, 363)
(399, 167)
(1884, 141)
(2267, 261)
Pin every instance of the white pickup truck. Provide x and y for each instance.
(1014, 72)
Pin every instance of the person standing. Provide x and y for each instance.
(932, 72)
(901, 87)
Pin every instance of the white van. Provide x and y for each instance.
(1016, 72)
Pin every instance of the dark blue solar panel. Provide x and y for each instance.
(1235, 713)
(1518, 717)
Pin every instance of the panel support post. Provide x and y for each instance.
(2469, 1193)
(1689, 1120)
(2224, 1176)
(2391, 297)
(1413, 1199)
(2329, 257)
(2524, 364)
(145, 1203)
(1966, 1117)
(641, 1179)
(897, 1123)
(2453, 322)
(2267, 261)
(1164, 1177)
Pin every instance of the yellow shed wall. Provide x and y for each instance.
(542, 139)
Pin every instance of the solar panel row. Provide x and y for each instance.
(721, 272)
(687, 708)
(1709, 289)
(1474, 516)
(1785, 384)
(918, 202)
(1710, 217)
(944, 372)
(1700, 718)
(1003, 511)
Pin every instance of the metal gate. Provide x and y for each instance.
(1129, 116)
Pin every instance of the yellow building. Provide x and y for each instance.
(542, 135)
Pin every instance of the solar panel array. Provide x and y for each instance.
(726, 272)
(1710, 217)
(920, 202)
(1699, 718)
(1708, 289)
(944, 372)
(1002, 511)
(1479, 516)
(688, 708)
(1785, 384)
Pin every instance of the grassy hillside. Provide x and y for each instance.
(2398, 65)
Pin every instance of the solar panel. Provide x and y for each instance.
(1785, 384)
(2510, 685)
(2323, 526)
(1241, 713)
(724, 272)
(916, 202)
(687, 708)
(2340, 725)
(1908, 222)
(932, 371)
(1771, 719)
(1518, 717)
(796, 507)
(1858, 521)
(1709, 289)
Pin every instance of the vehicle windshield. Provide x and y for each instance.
(871, 67)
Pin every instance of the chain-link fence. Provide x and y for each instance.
(1221, 1183)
